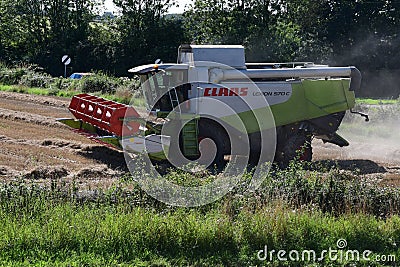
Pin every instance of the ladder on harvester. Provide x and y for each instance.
(173, 97)
(190, 131)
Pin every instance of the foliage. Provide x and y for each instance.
(11, 76)
(98, 83)
(41, 31)
(369, 101)
(335, 191)
(256, 24)
(294, 209)
(30, 78)
(361, 33)
(146, 33)
(34, 79)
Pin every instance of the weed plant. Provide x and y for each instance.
(301, 207)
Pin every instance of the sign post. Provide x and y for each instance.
(66, 60)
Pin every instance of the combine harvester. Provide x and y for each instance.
(304, 99)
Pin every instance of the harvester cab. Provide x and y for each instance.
(207, 90)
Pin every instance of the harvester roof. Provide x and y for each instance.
(155, 67)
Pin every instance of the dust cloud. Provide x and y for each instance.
(377, 140)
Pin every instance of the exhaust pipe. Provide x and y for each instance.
(355, 76)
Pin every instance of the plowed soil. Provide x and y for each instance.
(34, 145)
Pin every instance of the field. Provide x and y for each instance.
(35, 145)
(65, 200)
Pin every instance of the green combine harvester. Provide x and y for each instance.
(212, 93)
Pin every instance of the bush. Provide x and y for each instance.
(33, 79)
(26, 75)
(328, 189)
(11, 76)
(99, 83)
(34, 76)
(63, 84)
(128, 90)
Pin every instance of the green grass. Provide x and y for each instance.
(294, 209)
(23, 89)
(383, 127)
(92, 235)
(36, 91)
(125, 100)
(370, 101)
(60, 93)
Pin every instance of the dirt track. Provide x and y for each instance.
(33, 144)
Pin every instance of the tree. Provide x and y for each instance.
(68, 27)
(13, 33)
(41, 31)
(361, 33)
(146, 32)
(257, 24)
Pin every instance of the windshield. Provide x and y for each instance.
(157, 84)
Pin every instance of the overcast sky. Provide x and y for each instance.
(110, 7)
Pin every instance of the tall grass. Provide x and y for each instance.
(64, 233)
(293, 209)
(331, 190)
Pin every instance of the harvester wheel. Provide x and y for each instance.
(214, 131)
(298, 146)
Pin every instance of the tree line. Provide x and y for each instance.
(363, 33)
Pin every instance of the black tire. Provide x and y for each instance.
(297, 147)
(217, 133)
(207, 129)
